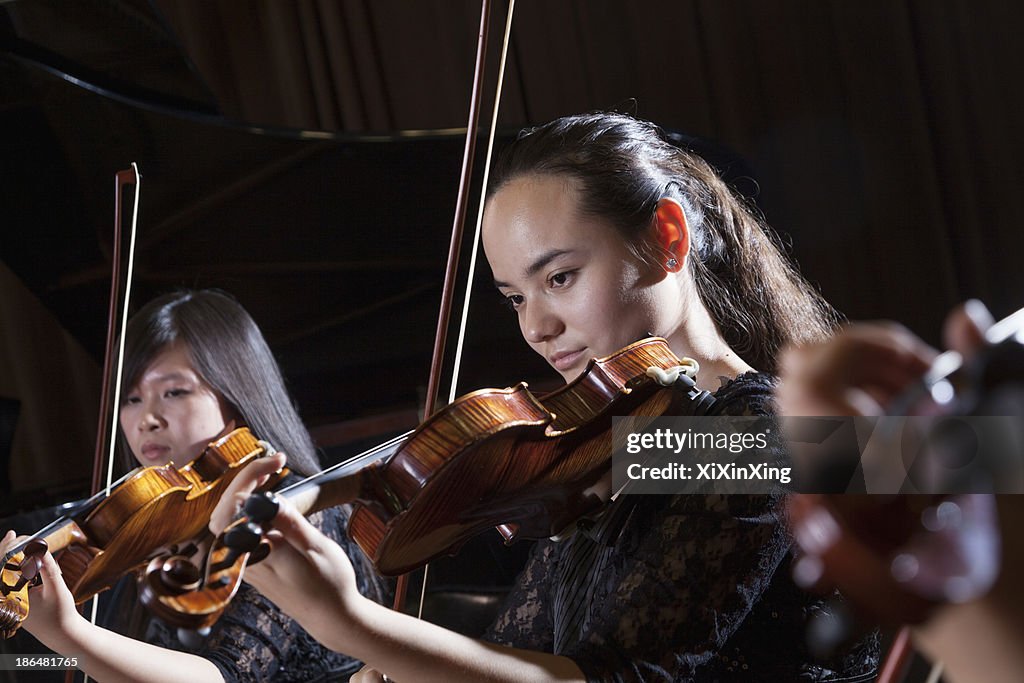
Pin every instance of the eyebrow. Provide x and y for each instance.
(543, 260)
(172, 376)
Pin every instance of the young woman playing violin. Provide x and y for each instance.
(599, 232)
(197, 365)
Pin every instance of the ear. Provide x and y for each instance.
(672, 233)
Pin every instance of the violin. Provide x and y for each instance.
(151, 511)
(897, 558)
(493, 458)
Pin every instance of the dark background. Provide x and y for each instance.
(305, 156)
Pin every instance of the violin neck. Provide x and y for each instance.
(354, 480)
(319, 496)
(58, 536)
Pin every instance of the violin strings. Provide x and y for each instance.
(75, 509)
(18, 547)
(346, 466)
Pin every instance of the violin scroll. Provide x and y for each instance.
(14, 608)
(179, 592)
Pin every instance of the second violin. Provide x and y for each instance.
(151, 511)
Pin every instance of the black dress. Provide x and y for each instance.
(683, 588)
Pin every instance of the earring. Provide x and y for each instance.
(672, 265)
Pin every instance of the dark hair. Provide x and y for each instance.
(622, 166)
(229, 352)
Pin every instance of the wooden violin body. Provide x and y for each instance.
(153, 511)
(505, 458)
(493, 458)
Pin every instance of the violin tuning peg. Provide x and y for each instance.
(243, 538)
(260, 553)
(262, 507)
(36, 547)
(29, 569)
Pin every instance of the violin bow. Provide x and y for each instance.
(107, 421)
(110, 396)
(455, 246)
(474, 254)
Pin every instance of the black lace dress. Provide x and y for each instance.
(677, 588)
(253, 640)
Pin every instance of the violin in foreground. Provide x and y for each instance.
(897, 558)
(151, 511)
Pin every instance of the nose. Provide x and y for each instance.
(149, 418)
(539, 322)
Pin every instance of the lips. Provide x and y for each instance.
(564, 360)
(154, 452)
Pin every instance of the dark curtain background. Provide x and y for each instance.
(882, 133)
